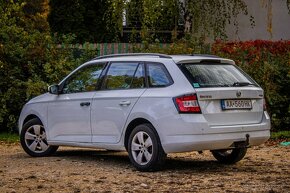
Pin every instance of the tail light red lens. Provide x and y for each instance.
(187, 104)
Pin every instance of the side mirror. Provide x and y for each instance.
(53, 89)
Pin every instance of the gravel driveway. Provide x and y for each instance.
(264, 169)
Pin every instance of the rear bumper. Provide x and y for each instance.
(218, 137)
(213, 141)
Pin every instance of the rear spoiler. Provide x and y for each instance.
(206, 60)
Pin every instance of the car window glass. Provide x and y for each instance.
(84, 80)
(139, 77)
(212, 75)
(157, 76)
(120, 75)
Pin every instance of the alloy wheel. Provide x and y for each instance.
(142, 148)
(35, 139)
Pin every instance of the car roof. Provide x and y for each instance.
(159, 57)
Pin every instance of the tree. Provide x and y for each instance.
(151, 19)
(195, 18)
(209, 18)
(89, 21)
(27, 62)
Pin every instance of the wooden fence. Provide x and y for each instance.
(118, 48)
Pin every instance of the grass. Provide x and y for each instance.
(280, 135)
(9, 137)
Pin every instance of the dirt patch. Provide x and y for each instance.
(264, 169)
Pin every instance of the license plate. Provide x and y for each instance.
(236, 104)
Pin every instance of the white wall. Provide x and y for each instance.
(260, 10)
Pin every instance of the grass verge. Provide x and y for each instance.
(280, 135)
(9, 137)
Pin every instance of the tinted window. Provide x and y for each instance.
(84, 80)
(214, 75)
(120, 75)
(157, 75)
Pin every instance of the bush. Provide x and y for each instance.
(187, 45)
(269, 64)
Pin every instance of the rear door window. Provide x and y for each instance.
(124, 75)
(215, 75)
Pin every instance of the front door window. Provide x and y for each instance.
(84, 80)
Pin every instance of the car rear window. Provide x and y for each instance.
(215, 75)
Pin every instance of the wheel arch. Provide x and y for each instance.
(29, 117)
(131, 126)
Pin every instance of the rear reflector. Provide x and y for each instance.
(187, 104)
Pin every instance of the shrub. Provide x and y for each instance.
(187, 45)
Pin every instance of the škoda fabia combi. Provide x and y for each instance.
(149, 105)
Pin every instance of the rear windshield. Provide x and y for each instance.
(215, 75)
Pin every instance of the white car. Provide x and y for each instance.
(149, 105)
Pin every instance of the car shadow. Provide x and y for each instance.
(179, 164)
(93, 155)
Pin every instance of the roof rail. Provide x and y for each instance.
(132, 54)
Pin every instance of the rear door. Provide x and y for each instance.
(226, 95)
(123, 84)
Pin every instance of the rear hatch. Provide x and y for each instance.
(226, 94)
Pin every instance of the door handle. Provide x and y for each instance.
(85, 104)
(125, 103)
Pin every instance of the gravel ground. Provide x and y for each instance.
(265, 168)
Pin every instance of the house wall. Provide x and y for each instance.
(272, 22)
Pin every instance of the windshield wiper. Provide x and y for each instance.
(242, 84)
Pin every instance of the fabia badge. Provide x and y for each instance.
(239, 93)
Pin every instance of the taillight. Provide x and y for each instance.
(264, 104)
(187, 104)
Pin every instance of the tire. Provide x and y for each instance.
(33, 139)
(230, 156)
(144, 148)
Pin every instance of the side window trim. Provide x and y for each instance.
(134, 74)
(103, 76)
(142, 64)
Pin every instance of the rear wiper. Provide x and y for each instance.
(215, 85)
(242, 84)
(223, 85)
